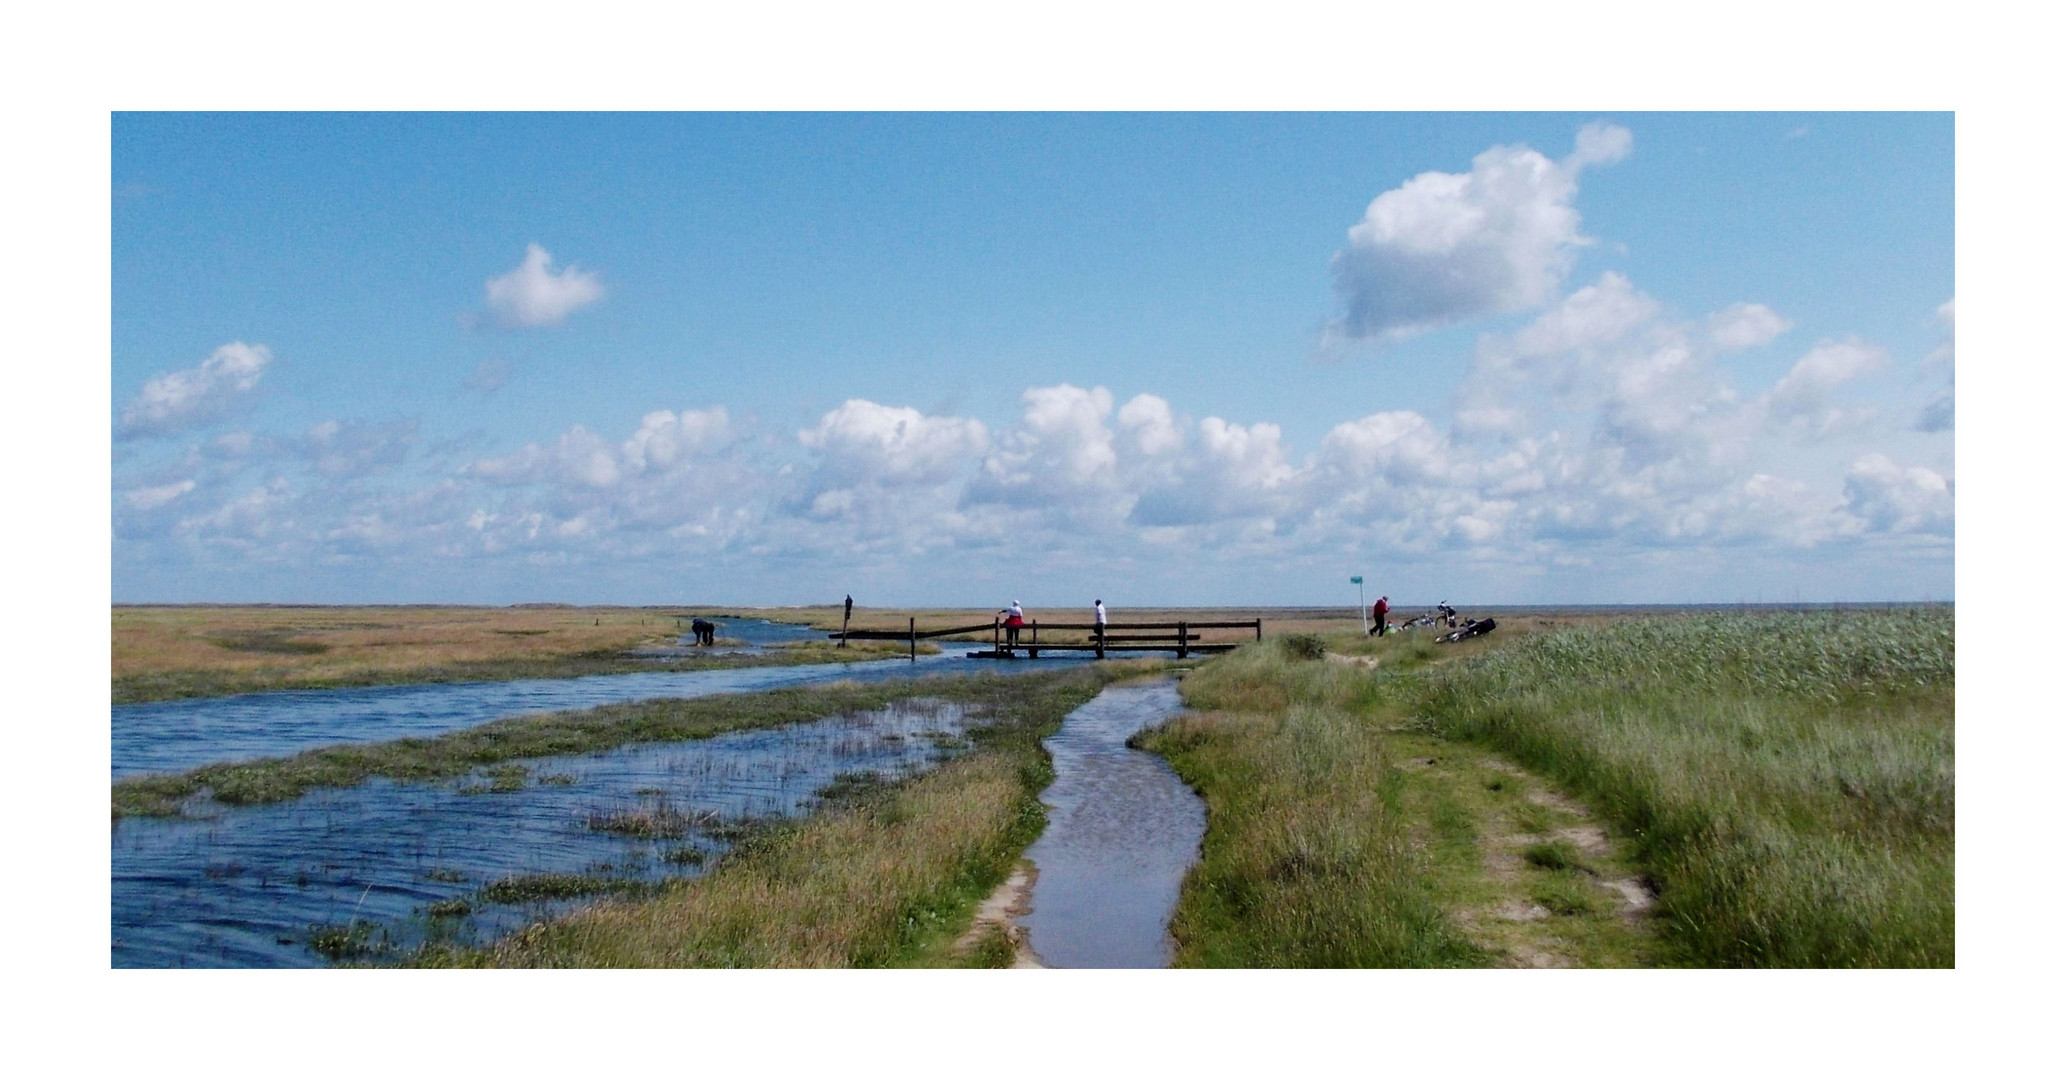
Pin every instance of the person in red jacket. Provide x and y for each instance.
(1378, 611)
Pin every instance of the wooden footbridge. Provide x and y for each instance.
(1181, 637)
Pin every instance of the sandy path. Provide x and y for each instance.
(1001, 911)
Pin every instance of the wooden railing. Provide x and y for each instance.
(1181, 637)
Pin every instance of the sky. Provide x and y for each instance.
(961, 359)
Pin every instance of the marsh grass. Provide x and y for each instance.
(500, 780)
(885, 874)
(661, 821)
(532, 888)
(1790, 776)
(356, 940)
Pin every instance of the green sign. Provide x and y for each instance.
(1358, 580)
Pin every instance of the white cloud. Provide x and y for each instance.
(1889, 498)
(177, 401)
(1444, 247)
(1822, 369)
(1619, 440)
(1599, 143)
(152, 498)
(580, 457)
(863, 442)
(1061, 453)
(1744, 326)
(664, 439)
(1151, 423)
(1397, 445)
(533, 295)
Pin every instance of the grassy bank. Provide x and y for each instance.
(1309, 857)
(885, 877)
(461, 752)
(1782, 782)
(1789, 778)
(160, 653)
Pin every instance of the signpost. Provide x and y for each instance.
(1361, 611)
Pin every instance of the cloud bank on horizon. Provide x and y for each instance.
(1596, 434)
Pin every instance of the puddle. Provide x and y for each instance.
(172, 736)
(1122, 830)
(244, 887)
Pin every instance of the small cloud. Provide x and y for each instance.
(1599, 143)
(151, 498)
(1800, 132)
(177, 401)
(1823, 368)
(1744, 326)
(533, 295)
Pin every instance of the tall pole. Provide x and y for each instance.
(1362, 611)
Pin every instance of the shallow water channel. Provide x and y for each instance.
(1122, 829)
(172, 736)
(250, 886)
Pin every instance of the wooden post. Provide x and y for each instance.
(1183, 640)
(996, 636)
(914, 638)
(1258, 629)
(1033, 653)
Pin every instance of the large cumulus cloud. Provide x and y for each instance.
(1444, 247)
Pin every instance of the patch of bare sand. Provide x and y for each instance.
(1590, 839)
(1636, 897)
(1521, 931)
(1001, 910)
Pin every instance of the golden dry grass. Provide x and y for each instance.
(846, 889)
(205, 651)
(342, 641)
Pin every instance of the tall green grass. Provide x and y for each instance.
(1789, 777)
(1307, 861)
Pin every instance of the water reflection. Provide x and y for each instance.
(1122, 831)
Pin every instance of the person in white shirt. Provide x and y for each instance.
(1014, 617)
(1097, 608)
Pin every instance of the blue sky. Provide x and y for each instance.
(958, 359)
